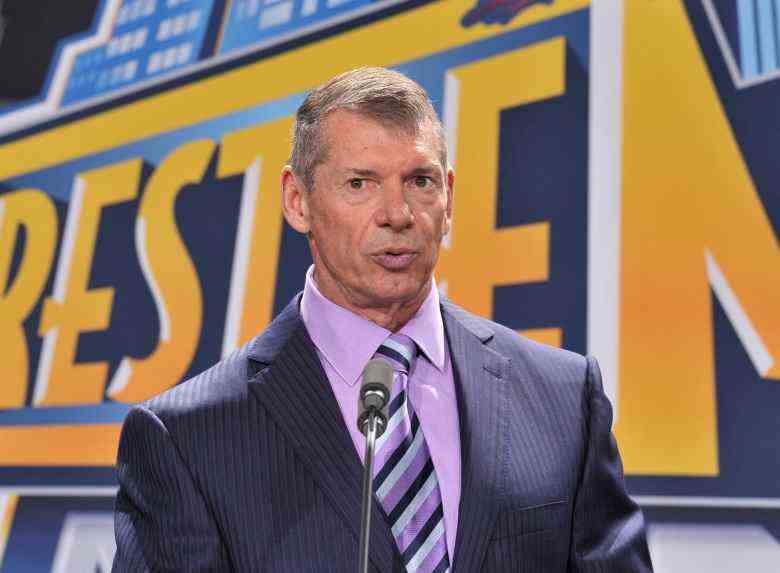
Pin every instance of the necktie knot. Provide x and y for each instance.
(399, 351)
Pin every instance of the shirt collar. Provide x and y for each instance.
(348, 341)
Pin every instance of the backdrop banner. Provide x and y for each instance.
(616, 194)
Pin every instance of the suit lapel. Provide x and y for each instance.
(479, 373)
(296, 393)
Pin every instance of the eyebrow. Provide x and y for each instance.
(361, 172)
(421, 170)
(431, 169)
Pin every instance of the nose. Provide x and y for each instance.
(395, 211)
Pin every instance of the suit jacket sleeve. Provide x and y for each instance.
(609, 529)
(162, 522)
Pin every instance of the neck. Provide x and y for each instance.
(392, 318)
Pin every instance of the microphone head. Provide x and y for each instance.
(375, 393)
(377, 371)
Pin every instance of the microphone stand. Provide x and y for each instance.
(372, 424)
(372, 421)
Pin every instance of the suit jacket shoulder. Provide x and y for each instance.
(541, 362)
(247, 467)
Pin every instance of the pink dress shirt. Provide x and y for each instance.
(345, 342)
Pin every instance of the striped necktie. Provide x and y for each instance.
(404, 477)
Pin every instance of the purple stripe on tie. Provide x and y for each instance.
(402, 485)
(418, 521)
(401, 452)
(434, 521)
(398, 464)
(393, 440)
(434, 557)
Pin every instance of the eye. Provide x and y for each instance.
(357, 184)
(422, 181)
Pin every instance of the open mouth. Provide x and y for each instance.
(395, 260)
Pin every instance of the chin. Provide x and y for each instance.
(404, 291)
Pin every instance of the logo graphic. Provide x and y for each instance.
(135, 44)
(498, 11)
(747, 33)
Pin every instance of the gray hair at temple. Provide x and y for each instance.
(383, 95)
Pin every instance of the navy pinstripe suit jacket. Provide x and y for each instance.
(249, 467)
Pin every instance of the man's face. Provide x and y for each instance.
(380, 206)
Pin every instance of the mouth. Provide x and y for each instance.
(394, 259)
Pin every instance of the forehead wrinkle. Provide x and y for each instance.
(422, 136)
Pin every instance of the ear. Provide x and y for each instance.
(450, 198)
(295, 201)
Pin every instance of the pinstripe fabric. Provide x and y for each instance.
(248, 466)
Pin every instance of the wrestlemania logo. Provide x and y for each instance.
(498, 11)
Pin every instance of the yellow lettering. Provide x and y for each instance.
(692, 221)
(33, 210)
(519, 254)
(73, 308)
(258, 153)
(8, 505)
(171, 276)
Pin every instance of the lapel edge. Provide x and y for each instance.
(482, 403)
(278, 354)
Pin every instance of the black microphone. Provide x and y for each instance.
(375, 395)
(372, 421)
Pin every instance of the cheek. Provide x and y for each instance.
(434, 225)
(342, 240)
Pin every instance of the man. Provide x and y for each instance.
(498, 454)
